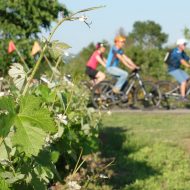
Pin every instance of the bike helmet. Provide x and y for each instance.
(99, 45)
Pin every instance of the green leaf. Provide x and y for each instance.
(12, 177)
(37, 183)
(28, 138)
(46, 94)
(57, 48)
(46, 161)
(5, 150)
(3, 185)
(7, 115)
(32, 112)
(90, 9)
(32, 125)
(55, 156)
(18, 74)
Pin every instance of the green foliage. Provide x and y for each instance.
(57, 48)
(23, 130)
(148, 34)
(3, 184)
(26, 18)
(7, 107)
(32, 123)
(44, 124)
(22, 21)
(28, 143)
(186, 33)
(150, 61)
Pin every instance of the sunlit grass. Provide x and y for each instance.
(151, 150)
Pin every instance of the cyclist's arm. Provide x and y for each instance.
(105, 60)
(130, 62)
(101, 61)
(126, 62)
(184, 63)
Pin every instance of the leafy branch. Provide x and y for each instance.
(71, 17)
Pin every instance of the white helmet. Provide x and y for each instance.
(181, 41)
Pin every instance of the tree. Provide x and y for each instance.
(22, 21)
(148, 34)
(26, 18)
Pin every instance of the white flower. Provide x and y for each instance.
(109, 112)
(66, 53)
(67, 80)
(103, 176)
(59, 133)
(83, 18)
(48, 139)
(62, 118)
(1, 78)
(2, 94)
(73, 185)
(44, 79)
(5, 112)
(51, 85)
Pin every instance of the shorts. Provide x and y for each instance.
(179, 75)
(91, 72)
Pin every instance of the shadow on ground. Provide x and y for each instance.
(126, 171)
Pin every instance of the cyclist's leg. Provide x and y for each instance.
(100, 76)
(182, 77)
(121, 74)
(183, 88)
(92, 74)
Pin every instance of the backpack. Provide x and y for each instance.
(168, 56)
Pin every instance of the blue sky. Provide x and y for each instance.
(173, 16)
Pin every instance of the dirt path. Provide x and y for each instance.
(153, 111)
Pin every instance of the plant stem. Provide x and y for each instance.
(42, 54)
(57, 63)
(72, 17)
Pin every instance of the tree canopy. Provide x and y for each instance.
(27, 18)
(22, 21)
(148, 34)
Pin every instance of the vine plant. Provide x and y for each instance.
(43, 125)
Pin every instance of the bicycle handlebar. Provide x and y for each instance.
(136, 70)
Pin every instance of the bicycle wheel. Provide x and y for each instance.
(102, 95)
(127, 101)
(147, 96)
(170, 93)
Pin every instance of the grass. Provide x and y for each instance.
(151, 150)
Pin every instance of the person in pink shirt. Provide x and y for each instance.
(95, 59)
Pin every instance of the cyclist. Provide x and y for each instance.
(95, 59)
(178, 57)
(115, 55)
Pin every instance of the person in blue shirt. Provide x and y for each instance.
(177, 58)
(115, 56)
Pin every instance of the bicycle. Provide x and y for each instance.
(135, 93)
(171, 95)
